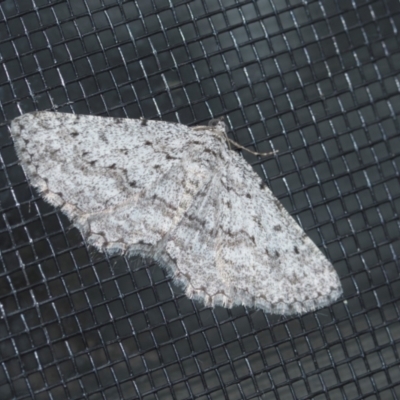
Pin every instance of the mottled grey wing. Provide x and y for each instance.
(111, 176)
(266, 259)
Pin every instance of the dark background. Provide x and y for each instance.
(317, 80)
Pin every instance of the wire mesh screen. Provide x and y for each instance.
(316, 80)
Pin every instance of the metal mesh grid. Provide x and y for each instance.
(316, 80)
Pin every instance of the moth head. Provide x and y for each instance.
(218, 124)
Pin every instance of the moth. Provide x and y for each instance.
(180, 196)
